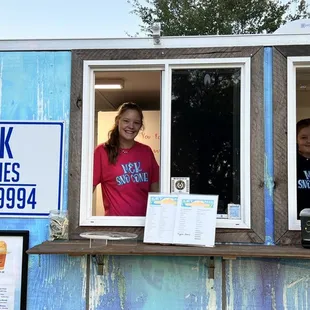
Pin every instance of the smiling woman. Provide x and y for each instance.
(126, 169)
(303, 164)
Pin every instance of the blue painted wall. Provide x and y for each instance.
(36, 86)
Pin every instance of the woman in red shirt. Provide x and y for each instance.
(126, 169)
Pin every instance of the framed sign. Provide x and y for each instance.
(13, 269)
(31, 168)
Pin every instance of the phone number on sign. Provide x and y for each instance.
(17, 197)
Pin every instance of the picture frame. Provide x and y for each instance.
(13, 268)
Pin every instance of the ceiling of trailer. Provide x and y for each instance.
(303, 87)
(141, 87)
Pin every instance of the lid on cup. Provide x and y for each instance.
(305, 212)
(3, 248)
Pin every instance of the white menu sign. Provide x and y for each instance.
(181, 219)
(31, 168)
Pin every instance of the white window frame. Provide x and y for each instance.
(292, 64)
(166, 66)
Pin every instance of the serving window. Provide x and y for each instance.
(205, 132)
(298, 138)
(198, 115)
(291, 75)
(112, 88)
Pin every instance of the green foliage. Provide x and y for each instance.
(207, 17)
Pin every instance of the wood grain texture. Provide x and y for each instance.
(36, 86)
(77, 247)
(267, 284)
(257, 147)
(294, 50)
(280, 143)
(176, 53)
(58, 282)
(75, 143)
(156, 283)
(256, 234)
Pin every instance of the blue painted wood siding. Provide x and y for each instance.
(36, 86)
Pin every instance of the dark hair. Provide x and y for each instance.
(303, 123)
(112, 145)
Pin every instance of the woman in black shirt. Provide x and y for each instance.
(303, 165)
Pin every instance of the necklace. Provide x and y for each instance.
(126, 150)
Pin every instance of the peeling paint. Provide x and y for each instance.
(121, 283)
(294, 283)
(99, 284)
(83, 266)
(230, 293)
(269, 184)
(273, 299)
(211, 293)
(296, 290)
(40, 103)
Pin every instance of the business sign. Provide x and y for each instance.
(31, 166)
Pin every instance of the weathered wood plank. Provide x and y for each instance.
(294, 50)
(280, 143)
(257, 148)
(58, 282)
(83, 248)
(156, 283)
(267, 284)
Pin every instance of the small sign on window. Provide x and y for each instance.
(180, 185)
(234, 211)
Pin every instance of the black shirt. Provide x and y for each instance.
(303, 183)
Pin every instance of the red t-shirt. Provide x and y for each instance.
(125, 185)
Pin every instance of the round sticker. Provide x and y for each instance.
(180, 184)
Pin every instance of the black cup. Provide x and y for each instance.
(305, 227)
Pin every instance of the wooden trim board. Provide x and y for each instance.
(81, 247)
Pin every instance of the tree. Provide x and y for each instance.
(209, 17)
(205, 131)
(205, 103)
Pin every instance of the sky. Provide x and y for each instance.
(53, 19)
(69, 19)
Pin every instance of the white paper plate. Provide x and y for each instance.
(108, 235)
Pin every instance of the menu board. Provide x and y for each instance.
(13, 269)
(181, 219)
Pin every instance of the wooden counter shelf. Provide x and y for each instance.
(81, 247)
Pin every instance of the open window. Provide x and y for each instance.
(109, 87)
(298, 109)
(112, 88)
(198, 121)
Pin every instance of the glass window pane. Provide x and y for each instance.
(205, 131)
(303, 138)
(113, 88)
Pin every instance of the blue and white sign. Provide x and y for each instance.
(31, 168)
